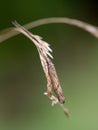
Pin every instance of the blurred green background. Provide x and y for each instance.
(22, 82)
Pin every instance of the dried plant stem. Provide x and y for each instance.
(10, 32)
(66, 111)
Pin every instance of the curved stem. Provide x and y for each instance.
(10, 32)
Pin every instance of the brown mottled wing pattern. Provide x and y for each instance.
(55, 82)
(48, 67)
(51, 76)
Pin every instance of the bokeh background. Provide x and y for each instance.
(22, 82)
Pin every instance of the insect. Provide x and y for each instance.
(44, 51)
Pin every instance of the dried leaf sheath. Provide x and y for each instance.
(48, 67)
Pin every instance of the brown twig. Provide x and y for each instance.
(10, 32)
